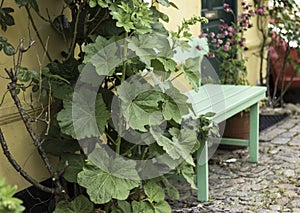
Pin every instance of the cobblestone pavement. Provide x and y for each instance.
(272, 185)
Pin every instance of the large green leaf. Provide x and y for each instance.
(175, 105)
(191, 70)
(181, 144)
(123, 207)
(146, 207)
(187, 171)
(171, 190)
(162, 207)
(154, 192)
(142, 206)
(103, 55)
(79, 205)
(143, 46)
(82, 117)
(138, 102)
(106, 177)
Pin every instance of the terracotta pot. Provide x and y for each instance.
(237, 127)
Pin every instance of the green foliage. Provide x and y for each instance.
(6, 19)
(9, 204)
(79, 123)
(102, 181)
(79, 205)
(114, 109)
(8, 49)
(74, 163)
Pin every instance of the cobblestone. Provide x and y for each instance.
(270, 186)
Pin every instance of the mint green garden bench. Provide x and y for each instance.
(226, 101)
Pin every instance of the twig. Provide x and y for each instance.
(22, 50)
(37, 32)
(73, 43)
(100, 22)
(37, 143)
(18, 168)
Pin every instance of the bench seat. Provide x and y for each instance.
(225, 101)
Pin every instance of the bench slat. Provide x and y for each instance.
(225, 100)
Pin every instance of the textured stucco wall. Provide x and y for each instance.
(15, 134)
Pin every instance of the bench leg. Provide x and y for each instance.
(202, 173)
(254, 131)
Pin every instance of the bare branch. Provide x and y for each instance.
(18, 168)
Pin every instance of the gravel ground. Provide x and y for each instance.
(272, 185)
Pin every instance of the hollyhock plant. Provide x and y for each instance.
(229, 44)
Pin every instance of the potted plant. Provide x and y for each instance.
(227, 48)
(113, 118)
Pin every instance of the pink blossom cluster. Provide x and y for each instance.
(232, 36)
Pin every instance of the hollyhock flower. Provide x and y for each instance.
(226, 8)
(260, 11)
(226, 47)
(230, 29)
(212, 34)
(203, 35)
(211, 55)
(198, 47)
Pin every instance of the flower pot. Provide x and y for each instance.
(237, 127)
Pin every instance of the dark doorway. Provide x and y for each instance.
(213, 10)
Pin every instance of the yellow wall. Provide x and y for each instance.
(15, 134)
(254, 42)
(187, 9)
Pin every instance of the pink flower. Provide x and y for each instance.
(203, 35)
(211, 55)
(220, 41)
(212, 34)
(198, 47)
(226, 47)
(260, 11)
(214, 41)
(227, 8)
(230, 29)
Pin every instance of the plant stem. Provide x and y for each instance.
(125, 52)
(71, 49)
(124, 58)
